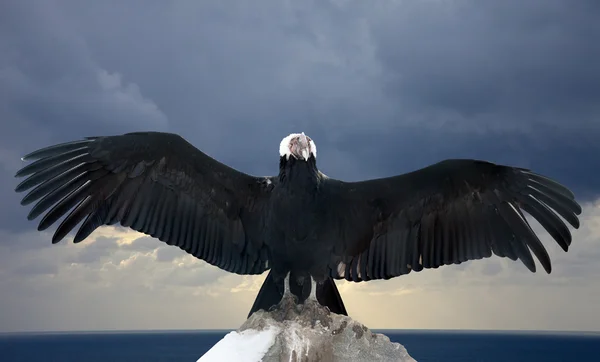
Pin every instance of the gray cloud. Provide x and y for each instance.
(382, 88)
(525, 66)
(37, 269)
(412, 78)
(169, 253)
(101, 248)
(143, 244)
(50, 78)
(52, 89)
(492, 268)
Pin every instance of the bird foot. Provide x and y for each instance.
(311, 304)
(313, 309)
(287, 308)
(289, 301)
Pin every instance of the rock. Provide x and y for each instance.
(304, 333)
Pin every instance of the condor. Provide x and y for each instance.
(306, 228)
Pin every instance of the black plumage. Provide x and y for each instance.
(300, 223)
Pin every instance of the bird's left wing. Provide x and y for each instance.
(447, 213)
(155, 183)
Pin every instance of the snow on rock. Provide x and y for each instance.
(304, 333)
(245, 346)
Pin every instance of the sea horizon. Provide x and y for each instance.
(376, 330)
(179, 345)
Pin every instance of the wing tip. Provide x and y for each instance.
(52, 149)
(547, 264)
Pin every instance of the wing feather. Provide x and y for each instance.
(155, 183)
(448, 213)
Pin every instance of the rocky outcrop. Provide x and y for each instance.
(304, 333)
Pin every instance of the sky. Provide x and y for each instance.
(382, 88)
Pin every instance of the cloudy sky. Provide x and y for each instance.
(382, 87)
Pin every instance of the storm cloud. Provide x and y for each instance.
(382, 87)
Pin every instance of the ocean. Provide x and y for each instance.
(188, 346)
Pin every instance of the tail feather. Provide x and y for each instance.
(271, 293)
(329, 296)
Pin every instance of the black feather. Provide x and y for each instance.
(550, 184)
(44, 163)
(553, 225)
(56, 149)
(563, 210)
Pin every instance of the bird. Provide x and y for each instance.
(307, 229)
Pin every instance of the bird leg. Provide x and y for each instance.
(288, 300)
(313, 290)
(313, 308)
(286, 287)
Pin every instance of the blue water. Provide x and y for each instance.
(424, 346)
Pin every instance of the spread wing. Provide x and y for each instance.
(155, 183)
(447, 213)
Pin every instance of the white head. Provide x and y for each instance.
(297, 145)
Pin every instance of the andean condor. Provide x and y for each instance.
(300, 223)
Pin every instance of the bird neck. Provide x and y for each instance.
(298, 173)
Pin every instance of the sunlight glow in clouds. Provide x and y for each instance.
(119, 279)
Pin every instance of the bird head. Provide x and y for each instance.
(299, 146)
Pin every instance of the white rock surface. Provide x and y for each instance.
(246, 346)
(304, 334)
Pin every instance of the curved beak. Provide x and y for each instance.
(304, 147)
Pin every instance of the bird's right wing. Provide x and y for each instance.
(155, 183)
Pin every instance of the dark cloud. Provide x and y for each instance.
(54, 91)
(494, 65)
(569, 157)
(50, 79)
(509, 82)
(382, 89)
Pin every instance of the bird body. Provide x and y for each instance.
(307, 229)
(297, 206)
